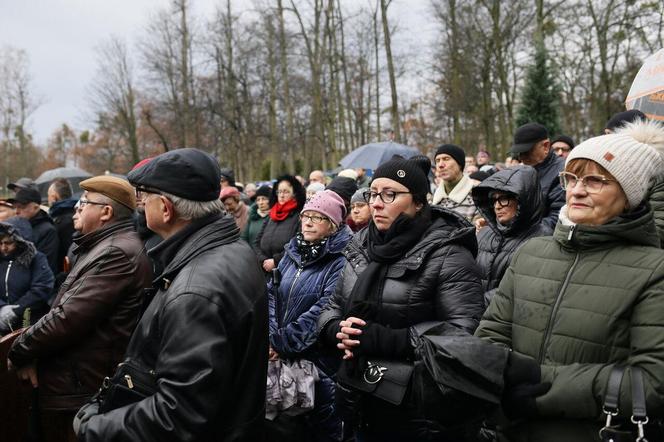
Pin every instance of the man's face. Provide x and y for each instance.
(91, 213)
(482, 159)
(27, 210)
(447, 168)
(470, 161)
(536, 154)
(316, 177)
(561, 149)
(53, 197)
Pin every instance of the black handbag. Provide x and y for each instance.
(616, 430)
(386, 380)
(130, 383)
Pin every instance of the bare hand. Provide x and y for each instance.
(347, 333)
(479, 223)
(272, 355)
(28, 373)
(268, 265)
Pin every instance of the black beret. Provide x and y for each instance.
(343, 186)
(188, 173)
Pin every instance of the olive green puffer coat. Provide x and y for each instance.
(580, 302)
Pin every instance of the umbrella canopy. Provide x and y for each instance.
(62, 172)
(372, 155)
(647, 91)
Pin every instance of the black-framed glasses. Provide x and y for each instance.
(386, 196)
(562, 149)
(84, 202)
(142, 192)
(316, 219)
(502, 200)
(591, 183)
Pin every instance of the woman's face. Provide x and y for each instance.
(284, 192)
(7, 245)
(360, 213)
(315, 226)
(594, 209)
(383, 213)
(504, 206)
(263, 203)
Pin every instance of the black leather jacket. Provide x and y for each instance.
(553, 195)
(205, 334)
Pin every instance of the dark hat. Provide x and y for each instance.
(454, 151)
(526, 136)
(188, 173)
(117, 189)
(263, 191)
(26, 195)
(622, 118)
(407, 172)
(565, 139)
(21, 183)
(479, 175)
(343, 186)
(227, 174)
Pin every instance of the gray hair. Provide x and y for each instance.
(120, 211)
(190, 210)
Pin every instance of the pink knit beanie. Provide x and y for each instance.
(329, 204)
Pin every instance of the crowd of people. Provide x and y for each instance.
(431, 299)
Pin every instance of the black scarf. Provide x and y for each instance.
(309, 251)
(384, 248)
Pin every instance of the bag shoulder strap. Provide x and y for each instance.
(612, 396)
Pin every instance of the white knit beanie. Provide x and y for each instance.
(627, 157)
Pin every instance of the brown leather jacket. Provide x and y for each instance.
(84, 335)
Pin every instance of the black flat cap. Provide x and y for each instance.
(188, 173)
(26, 195)
(526, 136)
(622, 118)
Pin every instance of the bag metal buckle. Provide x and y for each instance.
(607, 426)
(640, 423)
(373, 373)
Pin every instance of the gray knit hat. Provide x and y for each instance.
(358, 197)
(631, 162)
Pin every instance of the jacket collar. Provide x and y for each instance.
(62, 206)
(458, 194)
(87, 241)
(335, 245)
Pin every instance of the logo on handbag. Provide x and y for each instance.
(373, 373)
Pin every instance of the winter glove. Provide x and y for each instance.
(521, 370)
(8, 317)
(381, 341)
(83, 416)
(519, 401)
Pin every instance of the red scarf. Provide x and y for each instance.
(280, 212)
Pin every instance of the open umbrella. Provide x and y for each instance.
(647, 91)
(73, 174)
(372, 155)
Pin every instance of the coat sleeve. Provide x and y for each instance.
(88, 300)
(192, 368)
(41, 284)
(555, 200)
(578, 390)
(272, 306)
(496, 324)
(48, 245)
(656, 199)
(332, 312)
(257, 244)
(295, 227)
(460, 300)
(301, 334)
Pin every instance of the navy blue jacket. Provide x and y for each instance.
(26, 279)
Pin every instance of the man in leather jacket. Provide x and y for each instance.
(68, 352)
(204, 335)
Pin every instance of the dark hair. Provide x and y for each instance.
(299, 192)
(62, 188)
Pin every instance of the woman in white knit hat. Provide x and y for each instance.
(574, 306)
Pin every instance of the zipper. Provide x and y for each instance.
(571, 232)
(9, 267)
(556, 305)
(290, 292)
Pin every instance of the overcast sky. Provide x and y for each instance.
(60, 37)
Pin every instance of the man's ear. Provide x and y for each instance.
(167, 210)
(106, 213)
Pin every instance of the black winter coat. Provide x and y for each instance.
(436, 280)
(205, 334)
(46, 238)
(62, 213)
(497, 243)
(274, 236)
(553, 195)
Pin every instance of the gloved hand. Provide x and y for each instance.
(8, 317)
(379, 340)
(519, 401)
(521, 369)
(84, 414)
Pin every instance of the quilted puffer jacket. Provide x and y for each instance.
(436, 280)
(553, 195)
(580, 302)
(497, 243)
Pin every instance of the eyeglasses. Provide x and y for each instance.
(386, 196)
(561, 149)
(83, 202)
(142, 191)
(591, 183)
(502, 200)
(316, 219)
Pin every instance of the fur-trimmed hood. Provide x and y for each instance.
(21, 231)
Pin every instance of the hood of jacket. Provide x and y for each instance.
(635, 228)
(335, 244)
(21, 232)
(63, 206)
(521, 181)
